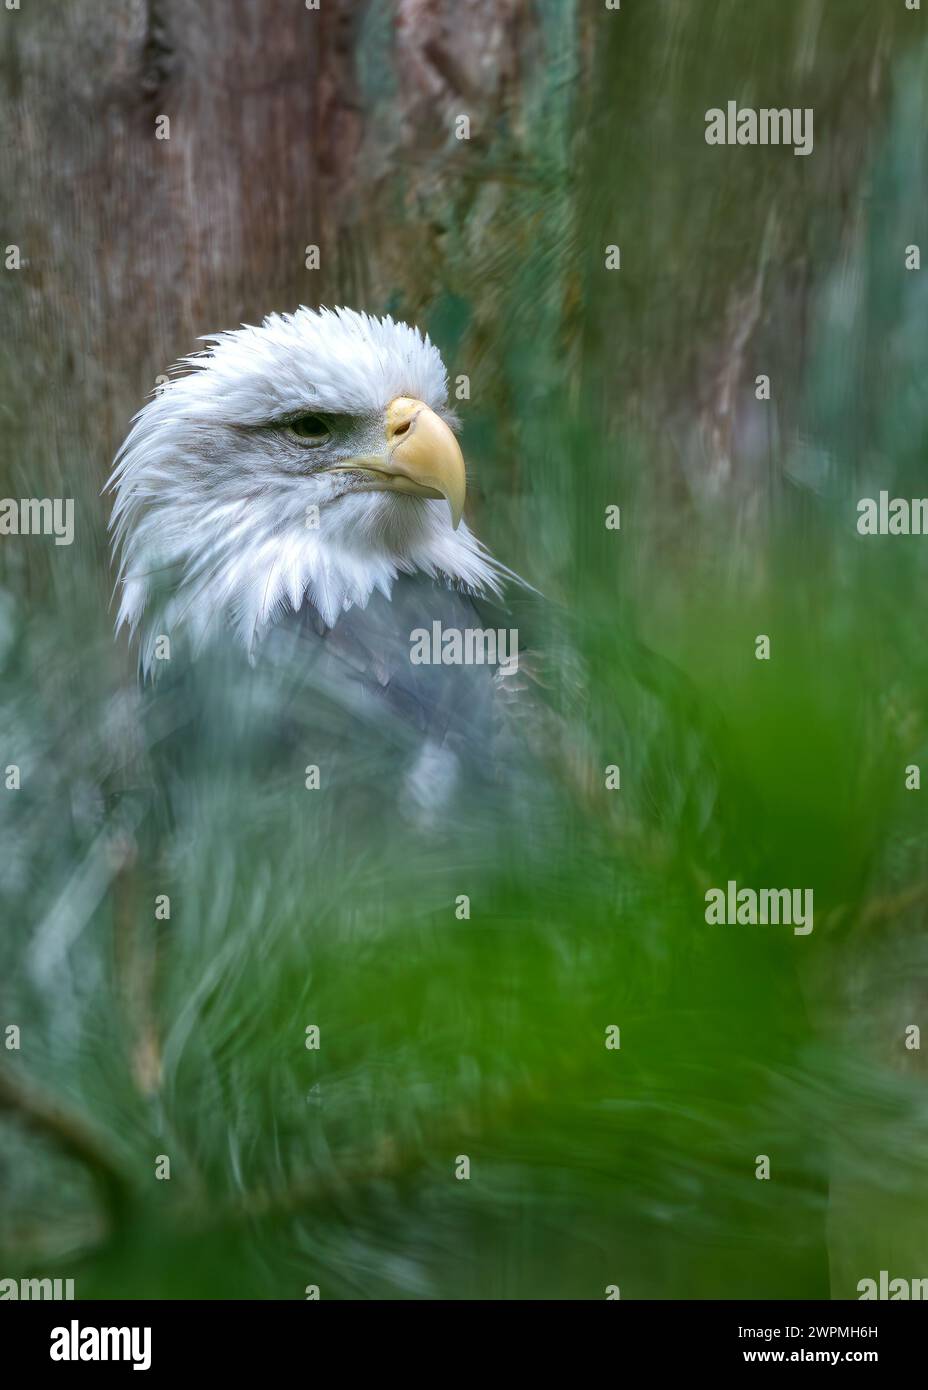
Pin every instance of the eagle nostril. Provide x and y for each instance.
(401, 429)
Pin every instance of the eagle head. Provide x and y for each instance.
(309, 460)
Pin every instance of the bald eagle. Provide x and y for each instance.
(308, 462)
(295, 491)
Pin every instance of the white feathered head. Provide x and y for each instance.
(311, 459)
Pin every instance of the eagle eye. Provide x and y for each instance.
(310, 427)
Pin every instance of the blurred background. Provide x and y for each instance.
(141, 1037)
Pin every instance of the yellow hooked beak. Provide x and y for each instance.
(423, 458)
